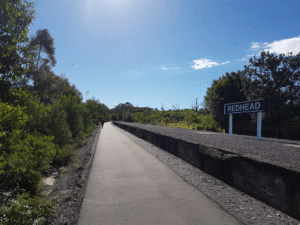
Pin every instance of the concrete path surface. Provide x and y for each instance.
(127, 185)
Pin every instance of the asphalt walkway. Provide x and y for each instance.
(127, 185)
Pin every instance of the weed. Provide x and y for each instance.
(78, 165)
(63, 170)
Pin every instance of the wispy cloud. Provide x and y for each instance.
(170, 68)
(225, 63)
(279, 47)
(204, 63)
(243, 59)
(255, 46)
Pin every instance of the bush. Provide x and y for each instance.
(23, 209)
(71, 104)
(64, 155)
(23, 156)
(31, 105)
(59, 126)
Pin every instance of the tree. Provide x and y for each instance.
(274, 77)
(226, 89)
(15, 18)
(40, 44)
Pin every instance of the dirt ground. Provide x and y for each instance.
(69, 186)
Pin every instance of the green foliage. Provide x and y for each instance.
(63, 170)
(15, 18)
(58, 127)
(226, 89)
(207, 122)
(128, 117)
(24, 156)
(42, 117)
(96, 111)
(23, 209)
(127, 112)
(72, 106)
(274, 77)
(63, 155)
(165, 119)
(114, 117)
(189, 118)
(32, 106)
(291, 132)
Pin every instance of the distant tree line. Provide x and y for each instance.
(42, 116)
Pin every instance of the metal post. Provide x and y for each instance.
(230, 125)
(259, 114)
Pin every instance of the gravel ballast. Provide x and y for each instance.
(246, 208)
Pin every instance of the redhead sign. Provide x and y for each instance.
(246, 107)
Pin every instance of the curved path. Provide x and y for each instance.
(127, 185)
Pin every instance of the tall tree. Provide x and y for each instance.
(226, 89)
(42, 44)
(15, 19)
(275, 77)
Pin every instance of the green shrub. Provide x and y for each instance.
(199, 127)
(23, 209)
(71, 104)
(31, 106)
(166, 119)
(64, 155)
(59, 126)
(23, 156)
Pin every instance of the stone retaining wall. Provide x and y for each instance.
(272, 184)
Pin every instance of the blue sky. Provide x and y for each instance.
(161, 52)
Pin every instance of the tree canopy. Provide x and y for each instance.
(274, 77)
(226, 89)
(16, 17)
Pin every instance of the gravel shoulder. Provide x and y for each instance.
(242, 206)
(68, 189)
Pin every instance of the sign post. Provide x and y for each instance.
(230, 124)
(258, 106)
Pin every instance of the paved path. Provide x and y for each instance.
(127, 185)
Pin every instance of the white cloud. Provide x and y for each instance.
(170, 68)
(225, 62)
(243, 59)
(255, 46)
(279, 47)
(204, 63)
